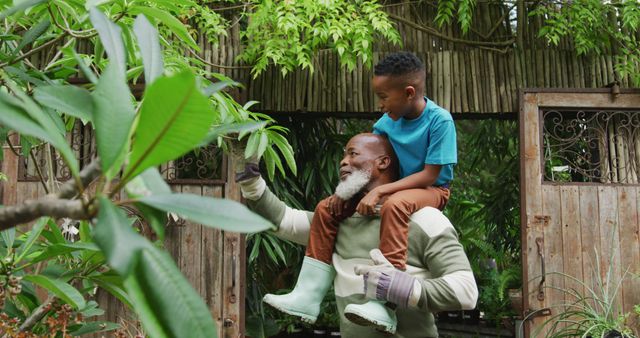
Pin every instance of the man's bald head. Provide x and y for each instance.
(370, 152)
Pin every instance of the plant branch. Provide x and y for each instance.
(37, 314)
(35, 50)
(87, 175)
(47, 206)
(215, 65)
(57, 206)
(435, 32)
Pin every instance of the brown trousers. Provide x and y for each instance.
(394, 225)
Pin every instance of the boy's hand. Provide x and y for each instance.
(336, 205)
(367, 205)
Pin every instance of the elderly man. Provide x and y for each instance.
(438, 275)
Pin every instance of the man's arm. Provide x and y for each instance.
(292, 224)
(451, 285)
(454, 287)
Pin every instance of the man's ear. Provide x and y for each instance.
(383, 162)
(410, 91)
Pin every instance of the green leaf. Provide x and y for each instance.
(59, 288)
(84, 68)
(214, 212)
(34, 233)
(111, 38)
(227, 128)
(72, 100)
(9, 236)
(149, 44)
(148, 183)
(113, 116)
(21, 6)
(218, 86)
(262, 144)
(120, 244)
(286, 150)
(46, 125)
(112, 288)
(174, 118)
(59, 249)
(175, 25)
(93, 327)
(252, 145)
(164, 300)
(32, 34)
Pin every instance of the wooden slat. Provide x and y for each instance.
(571, 235)
(629, 245)
(190, 246)
(553, 246)
(211, 277)
(609, 239)
(589, 231)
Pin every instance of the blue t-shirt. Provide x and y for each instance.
(428, 139)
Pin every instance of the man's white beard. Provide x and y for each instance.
(353, 184)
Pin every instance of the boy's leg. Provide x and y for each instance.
(395, 214)
(324, 229)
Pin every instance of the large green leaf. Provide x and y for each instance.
(165, 301)
(120, 244)
(113, 116)
(111, 38)
(219, 213)
(72, 100)
(149, 44)
(59, 288)
(148, 183)
(174, 118)
(175, 25)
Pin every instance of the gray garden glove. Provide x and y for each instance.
(244, 168)
(382, 281)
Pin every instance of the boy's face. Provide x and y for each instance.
(393, 97)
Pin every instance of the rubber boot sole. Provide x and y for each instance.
(303, 316)
(362, 320)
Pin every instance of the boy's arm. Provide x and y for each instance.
(292, 224)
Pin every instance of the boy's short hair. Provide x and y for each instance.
(399, 64)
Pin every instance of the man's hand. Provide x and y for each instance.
(368, 203)
(244, 168)
(337, 205)
(383, 281)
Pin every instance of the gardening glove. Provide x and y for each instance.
(247, 171)
(382, 281)
(244, 168)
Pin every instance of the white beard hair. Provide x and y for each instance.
(353, 184)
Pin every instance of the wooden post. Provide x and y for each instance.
(234, 271)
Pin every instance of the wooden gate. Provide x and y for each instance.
(212, 260)
(580, 197)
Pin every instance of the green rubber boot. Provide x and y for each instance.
(314, 281)
(373, 313)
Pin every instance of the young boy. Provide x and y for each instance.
(423, 137)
